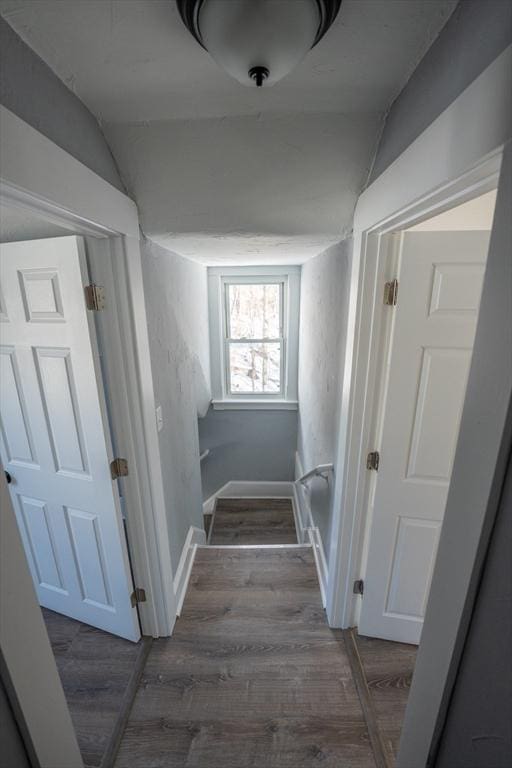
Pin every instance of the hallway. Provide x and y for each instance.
(253, 677)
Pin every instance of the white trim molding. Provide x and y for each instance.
(321, 564)
(432, 175)
(196, 537)
(255, 405)
(309, 531)
(218, 278)
(37, 175)
(456, 159)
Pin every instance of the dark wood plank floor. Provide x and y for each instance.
(388, 668)
(253, 521)
(252, 677)
(96, 669)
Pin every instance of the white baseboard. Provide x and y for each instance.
(195, 537)
(320, 561)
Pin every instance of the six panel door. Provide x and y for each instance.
(440, 282)
(54, 437)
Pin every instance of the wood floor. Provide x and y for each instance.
(252, 677)
(388, 669)
(253, 521)
(99, 673)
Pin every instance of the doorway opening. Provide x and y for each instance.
(56, 451)
(421, 361)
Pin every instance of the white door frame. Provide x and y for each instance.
(457, 158)
(38, 176)
(433, 174)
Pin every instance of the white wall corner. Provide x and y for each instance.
(195, 537)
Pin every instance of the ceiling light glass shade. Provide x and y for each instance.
(258, 42)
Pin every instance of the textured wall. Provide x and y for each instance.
(247, 445)
(30, 89)
(323, 316)
(476, 33)
(177, 310)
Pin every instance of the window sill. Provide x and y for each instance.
(255, 405)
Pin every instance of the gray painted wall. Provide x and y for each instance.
(247, 445)
(177, 310)
(476, 33)
(478, 729)
(13, 754)
(323, 318)
(30, 89)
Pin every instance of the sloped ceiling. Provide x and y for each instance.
(222, 173)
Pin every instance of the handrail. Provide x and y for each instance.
(322, 470)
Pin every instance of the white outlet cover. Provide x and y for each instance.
(159, 418)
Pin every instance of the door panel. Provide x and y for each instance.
(440, 276)
(55, 442)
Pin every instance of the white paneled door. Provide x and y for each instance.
(440, 281)
(55, 443)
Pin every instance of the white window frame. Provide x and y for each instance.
(218, 280)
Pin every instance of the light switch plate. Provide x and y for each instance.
(159, 418)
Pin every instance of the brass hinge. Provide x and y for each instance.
(372, 460)
(138, 596)
(359, 587)
(94, 297)
(391, 293)
(118, 468)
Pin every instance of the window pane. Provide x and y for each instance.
(254, 311)
(255, 368)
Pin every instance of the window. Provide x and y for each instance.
(253, 327)
(254, 337)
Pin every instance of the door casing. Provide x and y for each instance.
(38, 176)
(435, 173)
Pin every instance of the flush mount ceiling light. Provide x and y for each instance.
(258, 41)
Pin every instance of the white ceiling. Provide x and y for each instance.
(476, 214)
(221, 172)
(133, 60)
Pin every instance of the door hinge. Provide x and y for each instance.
(138, 596)
(359, 587)
(94, 297)
(372, 460)
(118, 468)
(391, 293)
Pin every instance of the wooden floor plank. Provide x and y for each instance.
(388, 669)
(95, 669)
(252, 678)
(253, 521)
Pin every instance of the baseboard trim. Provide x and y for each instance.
(195, 537)
(321, 563)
